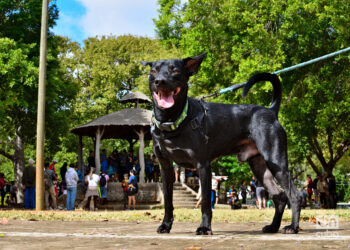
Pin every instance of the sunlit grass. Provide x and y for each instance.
(181, 215)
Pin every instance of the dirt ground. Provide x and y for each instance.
(23, 234)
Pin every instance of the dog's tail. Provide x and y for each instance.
(277, 89)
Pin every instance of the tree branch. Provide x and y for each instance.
(317, 150)
(8, 156)
(313, 165)
(344, 146)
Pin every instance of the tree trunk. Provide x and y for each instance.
(141, 135)
(18, 164)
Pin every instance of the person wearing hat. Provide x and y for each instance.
(52, 166)
(28, 184)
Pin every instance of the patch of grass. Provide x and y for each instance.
(180, 214)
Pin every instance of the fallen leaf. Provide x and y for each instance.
(313, 219)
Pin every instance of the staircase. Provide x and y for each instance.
(183, 196)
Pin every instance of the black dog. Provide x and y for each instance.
(193, 132)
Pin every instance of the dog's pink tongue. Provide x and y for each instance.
(166, 101)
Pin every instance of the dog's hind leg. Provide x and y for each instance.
(205, 179)
(273, 147)
(168, 177)
(295, 199)
(264, 175)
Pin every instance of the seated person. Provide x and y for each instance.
(233, 201)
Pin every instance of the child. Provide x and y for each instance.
(125, 189)
(132, 189)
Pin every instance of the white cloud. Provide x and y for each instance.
(119, 17)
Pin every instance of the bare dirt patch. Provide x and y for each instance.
(32, 234)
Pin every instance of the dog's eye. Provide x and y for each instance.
(175, 71)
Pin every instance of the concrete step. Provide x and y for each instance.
(184, 198)
(184, 204)
(182, 192)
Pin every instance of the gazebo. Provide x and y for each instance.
(136, 97)
(126, 124)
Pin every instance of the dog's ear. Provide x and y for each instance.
(146, 63)
(192, 63)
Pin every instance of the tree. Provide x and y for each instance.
(19, 57)
(243, 37)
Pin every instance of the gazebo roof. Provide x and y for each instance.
(118, 125)
(135, 97)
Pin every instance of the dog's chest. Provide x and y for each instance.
(179, 149)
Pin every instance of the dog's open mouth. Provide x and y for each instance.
(165, 98)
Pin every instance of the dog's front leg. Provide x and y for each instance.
(168, 177)
(205, 178)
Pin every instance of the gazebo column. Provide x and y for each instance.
(141, 135)
(80, 154)
(99, 135)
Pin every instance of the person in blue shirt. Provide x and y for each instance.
(104, 161)
(132, 190)
(80, 174)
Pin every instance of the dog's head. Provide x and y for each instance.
(168, 80)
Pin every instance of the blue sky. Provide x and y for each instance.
(80, 19)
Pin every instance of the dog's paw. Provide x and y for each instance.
(290, 230)
(204, 231)
(270, 229)
(163, 229)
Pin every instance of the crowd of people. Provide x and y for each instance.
(320, 192)
(117, 167)
(123, 167)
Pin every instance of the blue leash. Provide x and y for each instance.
(241, 85)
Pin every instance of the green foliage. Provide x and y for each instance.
(236, 172)
(6, 167)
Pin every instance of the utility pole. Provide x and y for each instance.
(40, 127)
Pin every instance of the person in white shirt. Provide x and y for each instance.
(71, 181)
(92, 181)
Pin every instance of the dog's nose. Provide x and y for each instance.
(159, 82)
